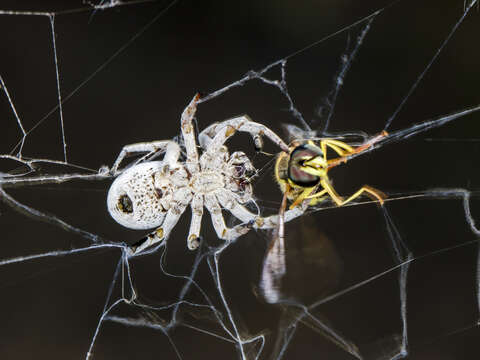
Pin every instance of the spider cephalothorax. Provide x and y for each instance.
(154, 194)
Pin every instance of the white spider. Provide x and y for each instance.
(154, 194)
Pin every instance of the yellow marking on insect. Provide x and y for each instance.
(319, 188)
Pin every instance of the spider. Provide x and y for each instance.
(154, 194)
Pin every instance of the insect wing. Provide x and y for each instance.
(273, 270)
(274, 265)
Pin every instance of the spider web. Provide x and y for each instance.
(81, 79)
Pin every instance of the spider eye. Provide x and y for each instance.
(125, 204)
(239, 171)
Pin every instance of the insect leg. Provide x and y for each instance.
(374, 194)
(371, 192)
(304, 195)
(331, 191)
(339, 147)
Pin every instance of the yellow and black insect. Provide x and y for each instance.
(302, 173)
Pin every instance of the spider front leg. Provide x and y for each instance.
(231, 202)
(188, 134)
(213, 137)
(271, 222)
(254, 220)
(171, 147)
(223, 232)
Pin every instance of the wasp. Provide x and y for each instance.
(302, 174)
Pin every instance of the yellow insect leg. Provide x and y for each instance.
(304, 195)
(371, 192)
(331, 191)
(339, 147)
(317, 197)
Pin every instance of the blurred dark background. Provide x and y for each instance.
(50, 307)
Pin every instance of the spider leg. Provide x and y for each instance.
(188, 134)
(206, 135)
(230, 202)
(272, 221)
(171, 218)
(197, 212)
(257, 222)
(217, 134)
(223, 232)
(172, 148)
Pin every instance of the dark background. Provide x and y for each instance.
(50, 307)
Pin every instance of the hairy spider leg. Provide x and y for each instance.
(254, 220)
(214, 136)
(197, 212)
(188, 133)
(234, 206)
(223, 232)
(171, 147)
(171, 219)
